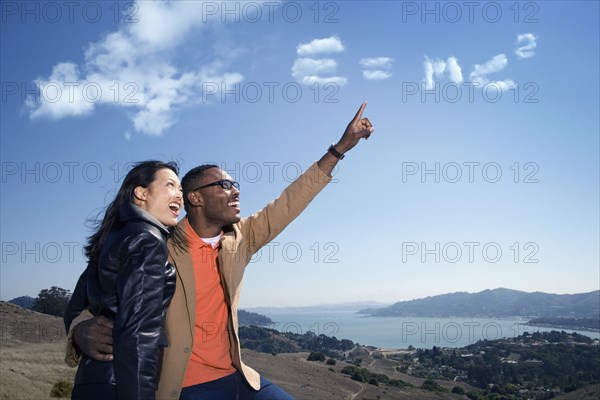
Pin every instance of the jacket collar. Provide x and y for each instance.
(129, 212)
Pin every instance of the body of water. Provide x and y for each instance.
(399, 333)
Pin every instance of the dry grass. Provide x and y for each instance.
(31, 354)
(29, 370)
(310, 380)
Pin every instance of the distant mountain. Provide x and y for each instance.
(339, 307)
(250, 318)
(495, 303)
(23, 301)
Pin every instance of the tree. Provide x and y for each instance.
(431, 385)
(316, 356)
(52, 301)
(458, 390)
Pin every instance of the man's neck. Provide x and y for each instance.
(204, 229)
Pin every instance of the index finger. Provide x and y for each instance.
(358, 115)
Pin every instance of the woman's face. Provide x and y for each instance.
(163, 199)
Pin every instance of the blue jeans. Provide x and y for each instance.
(233, 387)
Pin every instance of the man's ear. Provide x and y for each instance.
(195, 199)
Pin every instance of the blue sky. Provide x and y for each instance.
(482, 171)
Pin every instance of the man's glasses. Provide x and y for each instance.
(224, 183)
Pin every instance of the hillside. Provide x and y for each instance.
(32, 351)
(20, 325)
(494, 304)
(251, 318)
(591, 392)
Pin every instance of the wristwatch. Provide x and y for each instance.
(335, 153)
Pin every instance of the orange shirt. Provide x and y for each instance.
(211, 355)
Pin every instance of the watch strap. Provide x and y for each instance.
(335, 153)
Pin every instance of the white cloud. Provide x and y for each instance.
(162, 24)
(312, 66)
(376, 68)
(496, 64)
(437, 68)
(454, 70)
(376, 75)
(503, 85)
(384, 63)
(433, 69)
(322, 80)
(331, 44)
(309, 70)
(62, 93)
(133, 68)
(527, 50)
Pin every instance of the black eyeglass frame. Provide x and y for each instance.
(224, 183)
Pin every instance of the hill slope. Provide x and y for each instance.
(32, 352)
(21, 325)
(496, 303)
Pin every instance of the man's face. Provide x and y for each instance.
(220, 206)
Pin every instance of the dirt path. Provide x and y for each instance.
(352, 396)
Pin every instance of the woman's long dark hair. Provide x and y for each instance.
(142, 174)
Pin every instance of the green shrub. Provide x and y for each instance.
(330, 361)
(432, 386)
(357, 377)
(62, 389)
(316, 356)
(458, 390)
(472, 395)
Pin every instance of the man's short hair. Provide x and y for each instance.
(191, 180)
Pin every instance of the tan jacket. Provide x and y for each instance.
(240, 241)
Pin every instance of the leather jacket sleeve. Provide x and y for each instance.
(138, 322)
(78, 301)
(77, 304)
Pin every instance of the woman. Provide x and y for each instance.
(129, 281)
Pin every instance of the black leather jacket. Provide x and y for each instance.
(132, 285)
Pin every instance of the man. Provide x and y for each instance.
(210, 249)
